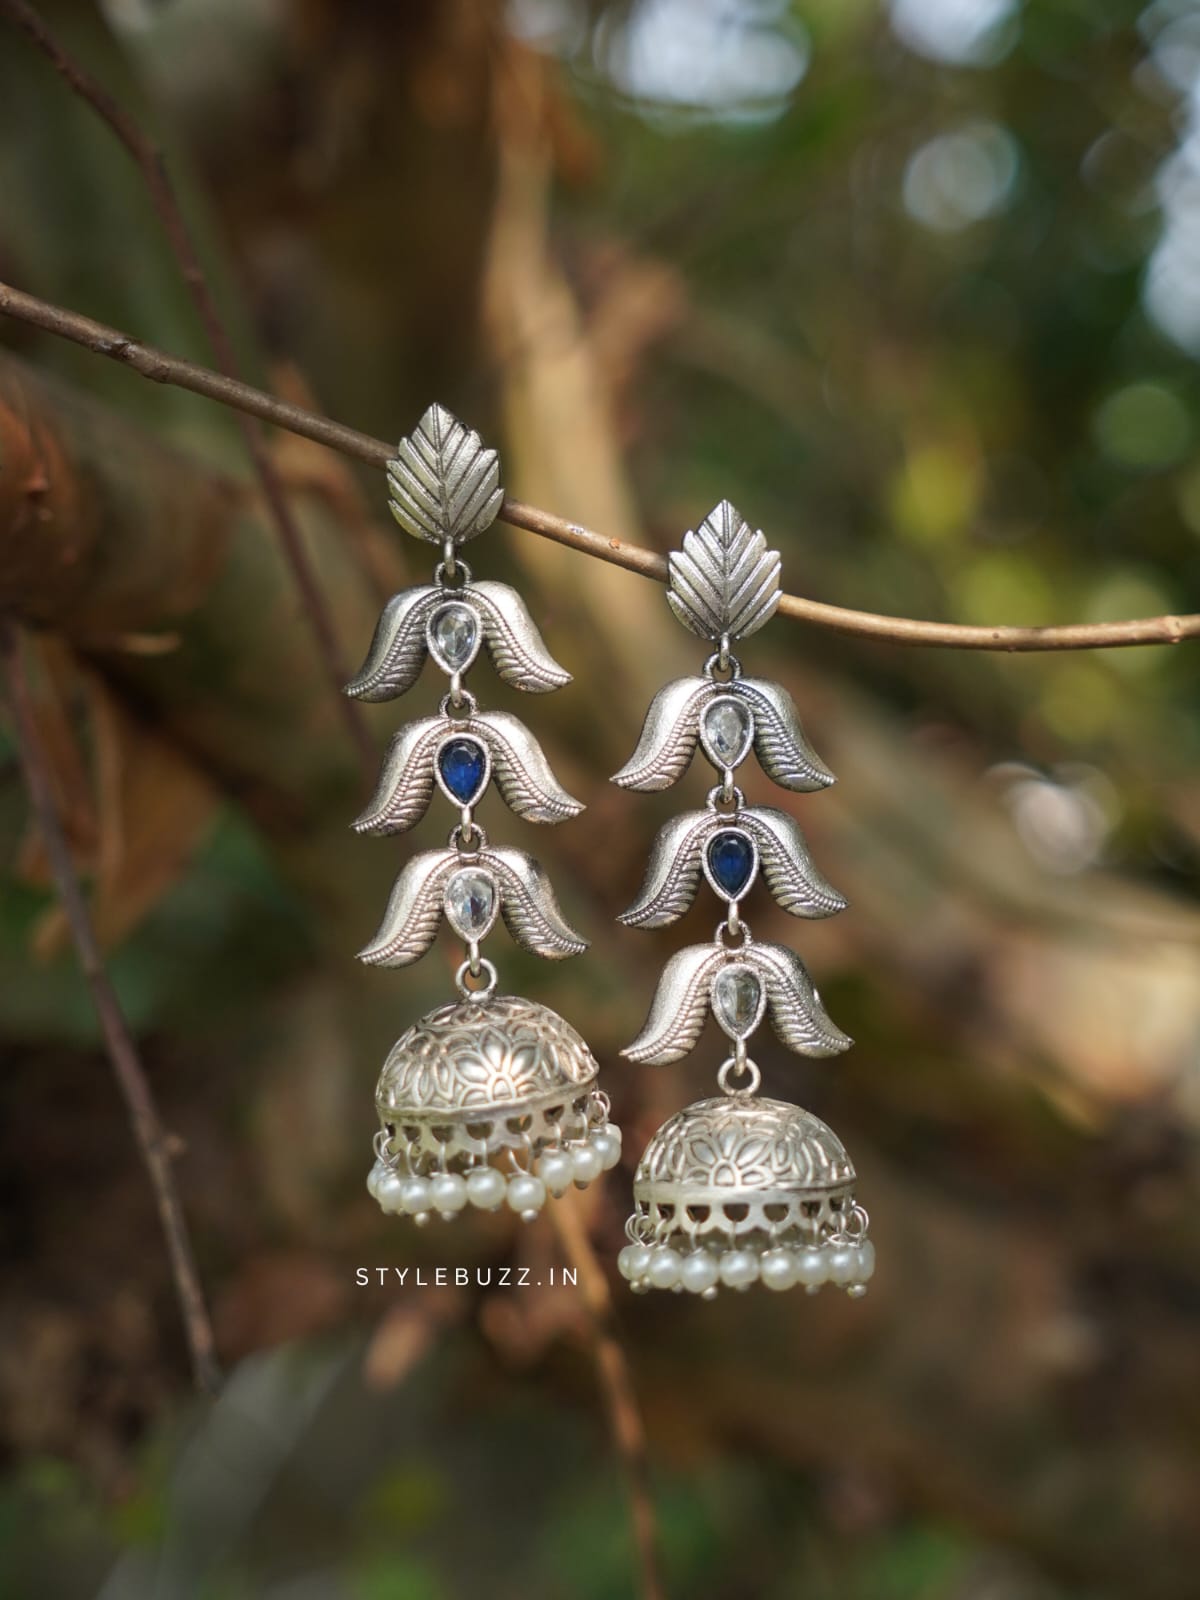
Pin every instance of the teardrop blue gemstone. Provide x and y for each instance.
(461, 763)
(731, 861)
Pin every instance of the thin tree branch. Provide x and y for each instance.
(149, 161)
(162, 368)
(122, 1052)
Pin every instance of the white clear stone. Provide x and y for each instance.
(485, 1188)
(665, 1267)
(843, 1264)
(812, 1268)
(455, 636)
(586, 1164)
(389, 1191)
(448, 1192)
(737, 1000)
(633, 1261)
(726, 729)
(526, 1194)
(739, 1268)
(415, 1196)
(699, 1271)
(607, 1148)
(779, 1269)
(556, 1170)
(470, 902)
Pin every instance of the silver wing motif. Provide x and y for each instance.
(787, 865)
(725, 579)
(443, 484)
(797, 1014)
(529, 907)
(668, 738)
(673, 872)
(679, 1007)
(399, 647)
(522, 772)
(783, 752)
(406, 781)
(517, 649)
(414, 911)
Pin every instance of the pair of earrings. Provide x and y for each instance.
(493, 1100)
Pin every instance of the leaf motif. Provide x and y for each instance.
(414, 911)
(673, 872)
(787, 865)
(443, 483)
(797, 1014)
(529, 906)
(399, 647)
(678, 1009)
(668, 737)
(517, 649)
(522, 771)
(783, 751)
(406, 782)
(725, 579)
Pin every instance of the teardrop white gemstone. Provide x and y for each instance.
(470, 902)
(454, 636)
(737, 1000)
(726, 730)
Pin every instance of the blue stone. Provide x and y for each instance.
(731, 861)
(462, 764)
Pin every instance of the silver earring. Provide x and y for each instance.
(491, 1099)
(737, 1189)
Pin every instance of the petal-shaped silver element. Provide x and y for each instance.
(414, 911)
(784, 752)
(523, 774)
(399, 647)
(787, 865)
(673, 871)
(799, 1018)
(529, 907)
(725, 580)
(443, 483)
(406, 781)
(668, 737)
(678, 1009)
(517, 649)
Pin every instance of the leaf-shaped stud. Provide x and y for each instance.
(725, 580)
(678, 1009)
(444, 484)
(529, 907)
(517, 649)
(797, 1014)
(783, 751)
(668, 737)
(399, 646)
(787, 865)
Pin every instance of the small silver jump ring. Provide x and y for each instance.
(733, 1068)
(456, 567)
(460, 710)
(487, 968)
(729, 664)
(725, 931)
(718, 795)
(467, 837)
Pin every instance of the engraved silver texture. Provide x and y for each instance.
(416, 906)
(672, 729)
(400, 644)
(684, 995)
(678, 851)
(519, 765)
(724, 583)
(444, 483)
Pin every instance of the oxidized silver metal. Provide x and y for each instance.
(444, 484)
(724, 583)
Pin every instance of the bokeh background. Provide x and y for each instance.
(918, 287)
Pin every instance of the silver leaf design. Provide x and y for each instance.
(414, 911)
(677, 1012)
(783, 751)
(517, 649)
(673, 871)
(406, 781)
(797, 1014)
(443, 483)
(399, 647)
(725, 580)
(530, 908)
(668, 738)
(522, 771)
(787, 865)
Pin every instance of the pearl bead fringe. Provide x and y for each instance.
(848, 1265)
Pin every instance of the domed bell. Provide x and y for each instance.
(740, 1190)
(486, 1102)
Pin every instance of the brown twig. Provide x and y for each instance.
(153, 168)
(625, 1417)
(122, 1052)
(162, 368)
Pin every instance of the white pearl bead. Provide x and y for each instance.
(556, 1170)
(608, 1149)
(699, 1271)
(665, 1267)
(779, 1269)
(373, 1177)
(414, 1197)
(485, 1188)
(812, 1268)
(843, 1264)
(389, 1191)
(866, 1261)
(613, 1131)
(739, 1268)
(448, 1193)
(526, 1195)
(633, 1261)
(586, 1164)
